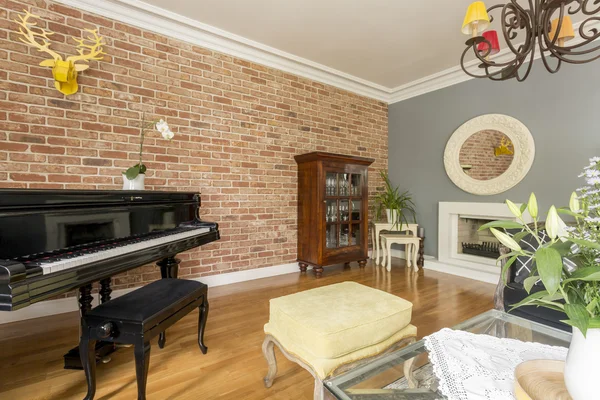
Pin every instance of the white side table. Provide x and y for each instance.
(377, 227)
(411, 243)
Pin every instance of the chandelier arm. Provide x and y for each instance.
(529, 66)
(486, 66)
(584, 7)
(573, 11)
(509, 26)
(544, 34)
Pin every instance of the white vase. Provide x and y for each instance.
(392, 216)
(583, 365)
(134, 184)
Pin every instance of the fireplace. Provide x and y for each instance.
(470, 240)
(459, 224)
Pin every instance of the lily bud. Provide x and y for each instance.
(514, 209)
(532, 206)
(574, 203)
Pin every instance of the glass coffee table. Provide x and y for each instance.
(406, 374)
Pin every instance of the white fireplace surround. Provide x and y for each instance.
(449, 259)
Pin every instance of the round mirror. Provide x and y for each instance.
(489, 154)
(486, 155)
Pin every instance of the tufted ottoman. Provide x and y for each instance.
(330, 329)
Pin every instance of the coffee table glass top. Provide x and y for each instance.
(384, 378)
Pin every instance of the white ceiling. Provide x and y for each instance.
(387, 42)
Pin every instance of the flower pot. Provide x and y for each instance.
(583, 364)
(392, 216)
(134, 184)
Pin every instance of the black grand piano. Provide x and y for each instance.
(55, 241)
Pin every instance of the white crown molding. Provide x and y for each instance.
(455, 75)
(155, 19)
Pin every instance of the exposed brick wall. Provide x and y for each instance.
(478, 151)
(237, 125)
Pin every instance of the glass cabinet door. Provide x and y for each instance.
(343, 209)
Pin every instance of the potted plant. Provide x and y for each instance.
(133, 177)
(396, 205)
(575, 291)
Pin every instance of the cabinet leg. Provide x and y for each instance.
(318, 271)
(303, 267)
(362, 263)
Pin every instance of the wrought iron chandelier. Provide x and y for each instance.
(544, 25)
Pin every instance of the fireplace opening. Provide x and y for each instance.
(470, 240)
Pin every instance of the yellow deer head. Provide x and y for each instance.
(63, 71)
(504, 148)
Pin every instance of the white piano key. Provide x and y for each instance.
(106, 254)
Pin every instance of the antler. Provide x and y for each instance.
(31, 37)
(94, 50)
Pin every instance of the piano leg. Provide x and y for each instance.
(103, 349)
(169, 268)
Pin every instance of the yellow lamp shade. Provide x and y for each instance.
(566, 30)
(476, 19)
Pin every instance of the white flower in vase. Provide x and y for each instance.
(133, 177)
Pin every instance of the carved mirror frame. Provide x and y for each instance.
(524, 153)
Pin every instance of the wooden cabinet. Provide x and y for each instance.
(333, 211)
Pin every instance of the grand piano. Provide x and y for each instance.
(55, 241)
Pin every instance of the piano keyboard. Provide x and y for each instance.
(81, 255)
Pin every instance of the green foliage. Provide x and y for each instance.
(134, 171)
(575, 292)
(392, 199)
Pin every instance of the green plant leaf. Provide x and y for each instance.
(549, 266)
(517, 237)
(578, 317)
(505, 239)
(523, 207)
(529, 282)
(566, 211)
(585, 243)
(594, 323)
(506, 266)
(541, 298)
(501, 224)
(143, 169)
(563, 248)
(586, 274)
(132, 172)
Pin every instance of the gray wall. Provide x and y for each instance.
(560, 110)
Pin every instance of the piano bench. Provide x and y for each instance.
(136, 318)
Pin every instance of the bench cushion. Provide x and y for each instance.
(336, 320)
(142, 304)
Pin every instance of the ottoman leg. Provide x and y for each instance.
(318, 395)
(142, 362)
(202, 318)
(87, 352)
(269, 354)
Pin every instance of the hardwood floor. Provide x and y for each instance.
(31, 351)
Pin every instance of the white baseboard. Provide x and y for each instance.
(432, 263)
(70, 304)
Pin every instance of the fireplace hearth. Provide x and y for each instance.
(485, 249)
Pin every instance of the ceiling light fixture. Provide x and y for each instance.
(544, 25)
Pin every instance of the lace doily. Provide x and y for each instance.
(481, 367)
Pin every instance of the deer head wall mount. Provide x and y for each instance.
(63, 71)
(506, 148)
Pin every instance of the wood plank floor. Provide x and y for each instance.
(31, 351)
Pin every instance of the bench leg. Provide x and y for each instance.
(202, 318)
(269, 354)
(142, 362)
(87, 353)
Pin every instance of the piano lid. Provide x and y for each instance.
(20, 199)
(38, 221)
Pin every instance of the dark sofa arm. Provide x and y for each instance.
(499, 295)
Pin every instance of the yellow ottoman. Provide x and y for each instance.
(330, 329)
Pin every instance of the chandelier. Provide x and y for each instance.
(544, 26)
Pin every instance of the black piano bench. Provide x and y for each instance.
(136, 318)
